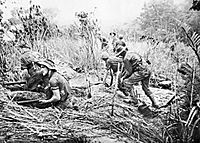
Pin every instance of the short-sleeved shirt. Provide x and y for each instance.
(57, 81)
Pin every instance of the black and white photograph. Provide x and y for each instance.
(99, 71)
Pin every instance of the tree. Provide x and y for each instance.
(36, 24)
(157, 20)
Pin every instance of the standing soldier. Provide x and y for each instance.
(134, 71)
(119, 43)
(114, 39)
(57, 88)
(104, 44)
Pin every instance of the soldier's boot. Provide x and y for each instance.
(153, 101)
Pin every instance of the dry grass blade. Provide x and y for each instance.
(94, 121)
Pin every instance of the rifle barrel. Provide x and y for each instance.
(15, 82)
(27, 101)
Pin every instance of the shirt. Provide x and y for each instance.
(132, 63)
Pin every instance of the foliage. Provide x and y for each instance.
(89, 29)
(78, 46)
(184, 126)
(157, 20)
(35, 26)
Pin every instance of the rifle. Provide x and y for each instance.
(27, 101)
(13, 83)
(84, 87)
(116, 86)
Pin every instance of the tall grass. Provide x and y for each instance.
(163, 60)
(66, 50)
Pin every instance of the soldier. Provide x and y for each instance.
(112, 62)
(119, 43)
(134, 71)
(114, 39)
(29, 65)
(57, 88)
(104, 43)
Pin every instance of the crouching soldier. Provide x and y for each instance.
(29, 66)
(112, 63)
(133, 72)
(57, 88)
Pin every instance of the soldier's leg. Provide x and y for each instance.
(144, 78)
(127, 88)
(147, 91)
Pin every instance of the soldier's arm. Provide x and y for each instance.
(127, 69)
(56, 93)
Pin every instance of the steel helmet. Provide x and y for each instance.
(134, 57)
(29, 58)
(48, 63)
(121, 37)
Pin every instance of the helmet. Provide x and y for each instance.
(104, 56)
(104, 40)
(120, 43)
(112, 34)
(28, 58)
(48, 63)
(134, 57)
(120, 37)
